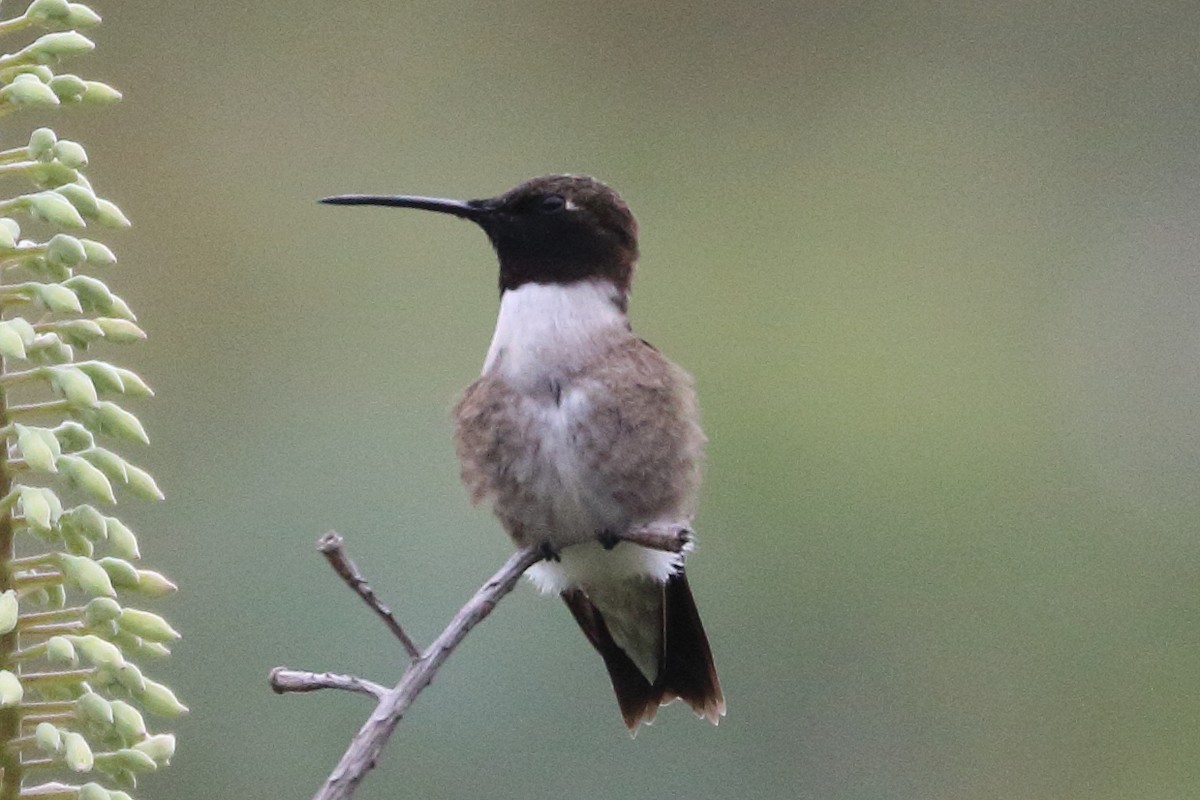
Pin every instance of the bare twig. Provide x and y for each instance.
(284, 680)
(332, 546)
(363, 752)
(369, 741)
(675, 537)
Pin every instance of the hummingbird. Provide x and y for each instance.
(577, 430)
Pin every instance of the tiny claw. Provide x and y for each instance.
(608, 540)
(549, 553)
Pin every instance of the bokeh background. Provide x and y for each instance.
(934, 266)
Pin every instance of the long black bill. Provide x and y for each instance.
(459, 208)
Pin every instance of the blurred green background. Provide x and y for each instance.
(934, 266)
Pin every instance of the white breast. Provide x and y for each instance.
(543, 335)
(544, 330)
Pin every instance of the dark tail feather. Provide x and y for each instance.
(688, 671)
(686, 666)
(639, 700)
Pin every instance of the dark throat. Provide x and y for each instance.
(563, 259)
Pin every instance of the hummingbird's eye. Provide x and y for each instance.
(553, 203)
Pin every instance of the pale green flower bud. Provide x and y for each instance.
(49, 439)
(142, 484)
(108, 462)
(27, 91)
(44, 268)
(154, 584)
(121, 331)
(108, 215)
(56, 596)
(76, 752)
(59, 650)
(56, 506)
(49, 348)
(122, 540)
(86, 521)
(128, 721)
(104, 375)
(80, 332)
(22, 327)
(100, 94)
(123, 574)
(99, 652)
(73, 436)
(74, 385)
(39, 71)
(41, 144)
(92, 293)
(36, 507)
(80, 196)
(158, 699)
(130, 676)
(109, 632)
(94, 791)
(134, 760)
(159, 747)
(34, 445)
(11, 691)
(85, 475)
(57, 297)
(101, 609)
(149, 626)
(87, 574)
(98, 254)
(51, 47)
(8, 611)
(148, 582)
(133, 384)
(81, 16)
(52, 174)
(45, 11)
(11, 342)
(117, 421)
(65, 249)
(121, 310)
(94, 707)
(11, 345)
(52, 207)
(69, 89)
(141, 647)
(49, 740)
(77, 545)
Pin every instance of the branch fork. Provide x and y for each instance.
(392, 703)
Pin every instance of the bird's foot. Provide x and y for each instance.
(548, 552)
(608, 540)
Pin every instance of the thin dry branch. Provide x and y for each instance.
(284, 680)
(332, 546)
(363, 753)
(364, 749)
(669, 537)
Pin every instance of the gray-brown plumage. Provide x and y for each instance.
(638, 441)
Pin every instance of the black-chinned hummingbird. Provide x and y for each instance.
(578, 430)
